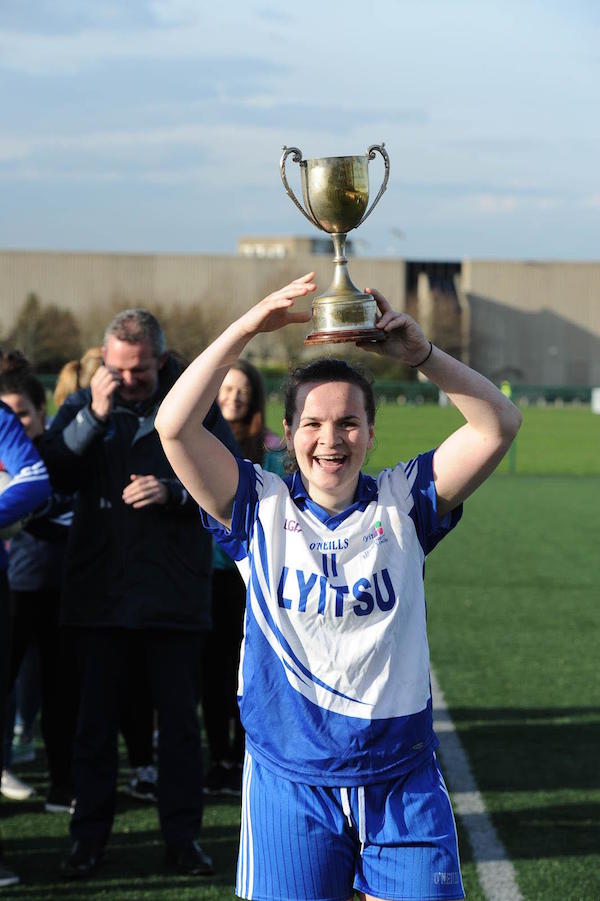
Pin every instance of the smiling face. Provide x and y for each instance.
(330, 436)
(32, 417)
(234, 396)
(137, 366)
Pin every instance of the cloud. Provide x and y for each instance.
(12, 149)
(275, 16)
(67, 40)
(248, 158)
(500, 204)
(67, 54)
(67, 16)
(176, 12)
(70, 52)
(493, 203)
(48, 175)
(592, 202)
(199, 125)
(498, 144)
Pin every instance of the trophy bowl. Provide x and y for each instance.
(335, 191)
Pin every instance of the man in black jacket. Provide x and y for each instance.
(137, 570)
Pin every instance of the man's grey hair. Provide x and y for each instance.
(135, 326)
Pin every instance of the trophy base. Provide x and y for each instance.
(339, 336)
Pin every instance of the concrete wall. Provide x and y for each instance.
(83, 282)
(537, 323)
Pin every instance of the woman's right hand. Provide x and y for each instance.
(273, 312)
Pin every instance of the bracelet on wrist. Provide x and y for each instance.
(424, 360)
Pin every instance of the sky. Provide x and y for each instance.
(158, 125)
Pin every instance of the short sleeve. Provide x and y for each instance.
(422, 504)
(235, 541)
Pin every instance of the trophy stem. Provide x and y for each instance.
(342, 285)
(343, 313)
(339, 245)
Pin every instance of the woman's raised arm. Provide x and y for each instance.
(468, 456)
(202, 463)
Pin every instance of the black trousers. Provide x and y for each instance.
(3, 663)
(4, 647)
(34, 619)
(220, 668)
(137, 710)
(171, 659)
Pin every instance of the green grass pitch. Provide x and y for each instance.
(514, 617)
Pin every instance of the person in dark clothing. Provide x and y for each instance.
(137, 573)
(136, 724)
(137, 712)
(27, 487)
(34, 576)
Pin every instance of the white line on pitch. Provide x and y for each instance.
(495, 871)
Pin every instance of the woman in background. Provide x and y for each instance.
(67, 382)
(241, 399)
(76, 374)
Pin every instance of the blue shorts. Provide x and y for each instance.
(392, 840)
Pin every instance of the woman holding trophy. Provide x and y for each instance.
(342, 791)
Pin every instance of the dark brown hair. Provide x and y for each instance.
(16, 377)
(249, 432)
(327, 369)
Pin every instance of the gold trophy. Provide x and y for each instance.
(336, 195)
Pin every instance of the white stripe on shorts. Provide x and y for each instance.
(444, 789)
(245, 868)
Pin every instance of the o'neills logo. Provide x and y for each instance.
(337, 544)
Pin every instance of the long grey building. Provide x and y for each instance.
(533, 322)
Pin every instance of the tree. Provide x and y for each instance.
(46, 334)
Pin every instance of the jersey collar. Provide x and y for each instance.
(366, 491)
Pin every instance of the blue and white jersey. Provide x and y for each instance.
(29, 486)
(334, 674)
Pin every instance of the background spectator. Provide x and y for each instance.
(27, 488)
(34, 575)
(241, 400)
(137, 574)
(76, 374)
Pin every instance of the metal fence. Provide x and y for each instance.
(417, 392)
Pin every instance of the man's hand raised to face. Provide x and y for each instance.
(104, 383)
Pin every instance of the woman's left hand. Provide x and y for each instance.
(404, 337)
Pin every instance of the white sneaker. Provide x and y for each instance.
(14, 788)
(7, 877)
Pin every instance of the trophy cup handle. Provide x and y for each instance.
(379, 148)
(297, 158)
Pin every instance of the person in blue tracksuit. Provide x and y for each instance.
(27, 490)
(36, 559)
